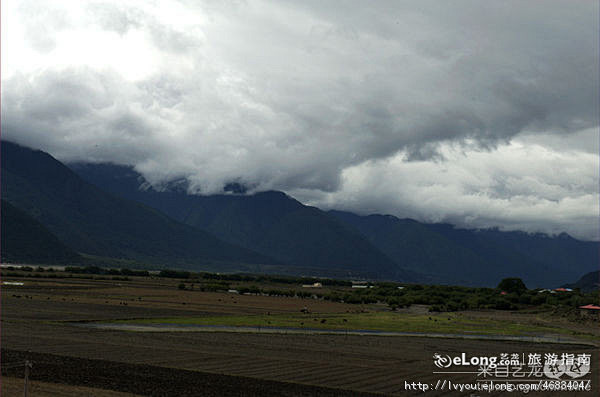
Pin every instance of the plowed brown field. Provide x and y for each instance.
(182, 362)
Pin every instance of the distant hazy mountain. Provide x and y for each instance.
(416, 247)
(277, 225)
(481, 257)
(271, 223)
(587, 283)
(553, 259)
(25, 240)
(91, 221)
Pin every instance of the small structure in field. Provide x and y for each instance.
(315, 285)
(590, 311)
(360, 284)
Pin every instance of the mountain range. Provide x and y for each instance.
(106, 210)
(93, 222)
(438, 253)
(468, 256)
(271, 223)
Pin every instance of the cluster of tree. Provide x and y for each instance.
(275, 279)
(52, 274)
(252, 289)
(511, 294)
(174, 274)
(29, 269)
(265, 278)
(110, 272)
(279, 292)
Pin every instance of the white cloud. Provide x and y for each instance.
(516, 187)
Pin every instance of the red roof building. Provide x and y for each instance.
(590, 307)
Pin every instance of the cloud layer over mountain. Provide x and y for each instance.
(477, 113)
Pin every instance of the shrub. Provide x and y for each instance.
(513, 284)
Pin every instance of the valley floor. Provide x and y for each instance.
(37, 325)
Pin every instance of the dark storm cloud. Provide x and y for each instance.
(300, 95)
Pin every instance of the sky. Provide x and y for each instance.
(481, 114)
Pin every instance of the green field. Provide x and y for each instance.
(452, 323)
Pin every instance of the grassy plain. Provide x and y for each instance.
(448, 323)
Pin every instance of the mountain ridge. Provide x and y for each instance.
(587, 283)
(481, 253)
(104, 224)
(442, 253)
(269, 222)
(94, 222)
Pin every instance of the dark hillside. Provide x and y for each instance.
(94, 222)
(25, 240)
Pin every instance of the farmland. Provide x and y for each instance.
(45, 317)
(369, 321)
